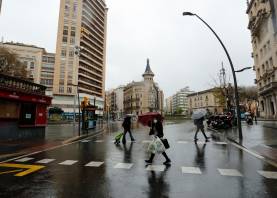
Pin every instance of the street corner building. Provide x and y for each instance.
(80, 62)
(144, 96)
(263, 27)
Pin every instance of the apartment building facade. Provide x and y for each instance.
(263, 26)
(81, 52)
(205, 100)
(39, 63)
(180, 101)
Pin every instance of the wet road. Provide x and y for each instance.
(97, 168)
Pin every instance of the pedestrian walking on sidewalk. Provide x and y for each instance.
(156, 129)
(127, 128)
(200, 126)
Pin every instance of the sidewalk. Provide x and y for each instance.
(260, 137)
(54, 135)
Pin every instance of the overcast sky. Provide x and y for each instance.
(182, 51)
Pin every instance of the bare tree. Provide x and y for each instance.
(10, 65)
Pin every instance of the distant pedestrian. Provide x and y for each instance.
(127, 128)
(156, 129)
(200, 126)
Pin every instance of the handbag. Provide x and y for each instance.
(165, 143)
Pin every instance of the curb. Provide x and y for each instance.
(76, 138)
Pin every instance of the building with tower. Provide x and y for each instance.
(144, 96)
(263, 27)
(80, 53)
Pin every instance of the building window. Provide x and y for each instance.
(69, 89)
(71, 53)
(63, 53)
(61, 89)
(32, 65)
(65, 30)
(72, 41)
(72, 34)
(64, 39)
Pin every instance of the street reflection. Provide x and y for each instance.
(199, 158)
(158, 184)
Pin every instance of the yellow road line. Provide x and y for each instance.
(13, 171)
(30, 168)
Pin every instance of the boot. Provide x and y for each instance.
(150, 159)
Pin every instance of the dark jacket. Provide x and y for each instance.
(127, 124)
(157, 129)
(199, 122)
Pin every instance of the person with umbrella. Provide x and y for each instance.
(199, 116)
(127, 128)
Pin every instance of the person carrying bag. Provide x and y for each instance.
(157, 145)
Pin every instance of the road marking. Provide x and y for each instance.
(159, 168)
(146, 141)
(123, 165)
(191, 170)
(94, 164)
(99, 141)
(30, 168)
(268, 174)
(200, 142)
(85, 141)
(68, 162)
(229, 172)
(45, 161)
(13, 171)
(182, 142)
(220, 143)
(248, 151)
(25, 159)
(48, 149)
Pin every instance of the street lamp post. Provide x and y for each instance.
(232, 68)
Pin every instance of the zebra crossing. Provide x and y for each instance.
(157, 168)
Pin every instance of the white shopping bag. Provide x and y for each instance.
(156, 146)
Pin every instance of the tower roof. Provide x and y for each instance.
(148, 71)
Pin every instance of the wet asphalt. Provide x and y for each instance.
(134, 180)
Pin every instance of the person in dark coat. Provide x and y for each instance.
(127, 128)
(157, 130)
(200, 126)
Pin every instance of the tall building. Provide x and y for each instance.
(263, 27)
(144, 96)
(80, 51)
(168, 105)
(180, 102)
(39, 63)
(205, 99)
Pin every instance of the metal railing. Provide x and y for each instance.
(16, 84)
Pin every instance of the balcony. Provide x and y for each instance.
(16, 84)
(268, 88)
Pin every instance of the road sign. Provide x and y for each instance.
(20, 169)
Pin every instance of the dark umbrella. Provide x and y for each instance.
(144, 119)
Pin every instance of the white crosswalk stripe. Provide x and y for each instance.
(220, 143)
(99, 141)
(182, 142)
(191, 170)
(159, 168)
(268, 174)
(45, 161)
(229, 172)
(94, 164)
(85, 141)
(68, 162)
(123, 165)
(146, 141)
(25, 159)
